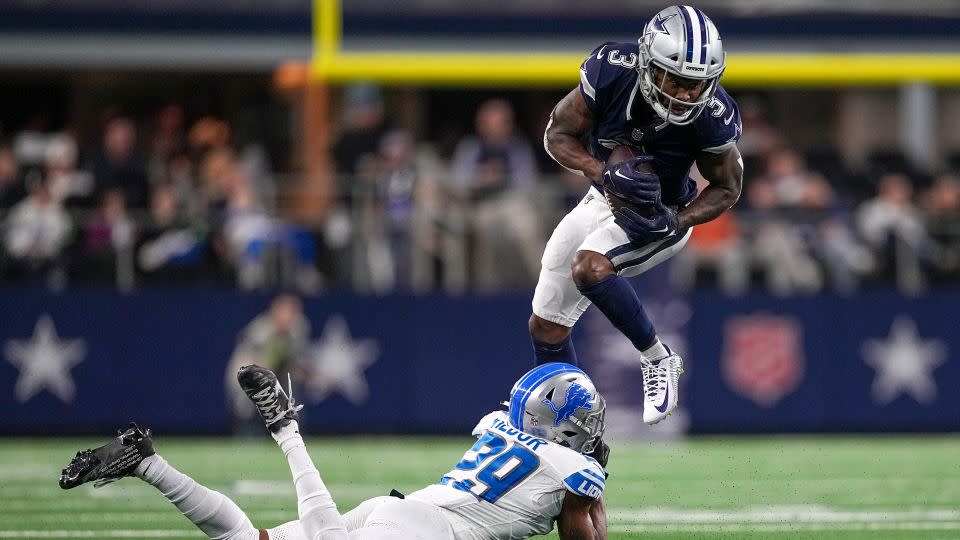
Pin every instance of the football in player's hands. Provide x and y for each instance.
(629, 180)
(623, 152)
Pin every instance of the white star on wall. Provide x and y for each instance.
(337, 363)
(44, 362)
(904, 363)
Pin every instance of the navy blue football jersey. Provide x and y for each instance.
(608, 83)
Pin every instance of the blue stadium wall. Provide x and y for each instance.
(87, 361)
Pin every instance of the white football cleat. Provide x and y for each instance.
(660, 386)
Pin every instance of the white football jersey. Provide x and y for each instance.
(510, 484)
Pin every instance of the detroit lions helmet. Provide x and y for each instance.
(558, 402)
(682, 41)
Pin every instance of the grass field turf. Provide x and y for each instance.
(745, 488)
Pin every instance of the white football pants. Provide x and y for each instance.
(590, 227)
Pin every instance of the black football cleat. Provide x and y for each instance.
(276, 406)
(110, 462)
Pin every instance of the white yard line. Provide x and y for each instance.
(692, 528)
(948, 487)
(805, 518)
(138, 516)
(27, 471)
(651, 528)
(780, 515)
(107, 533)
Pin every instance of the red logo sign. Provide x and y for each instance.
(763, 357)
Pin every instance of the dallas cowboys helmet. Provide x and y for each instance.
(558, 402)
(683, 41)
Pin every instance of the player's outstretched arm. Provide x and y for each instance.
(563, 138)
(582, 518)
(724, 171)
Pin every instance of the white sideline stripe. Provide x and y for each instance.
(644, 528)
(655, 520)
(116, 518)
(27, 471)
(758, 515)
(692, 528)
(128, 489)
(107, 533)
(779, 515)
(265, 487)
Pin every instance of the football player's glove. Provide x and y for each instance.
(646, 230)
(626, 182)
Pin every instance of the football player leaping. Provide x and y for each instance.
(660, 95)
(528, 469)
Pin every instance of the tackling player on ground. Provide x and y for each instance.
(661, 95)
(528, 469)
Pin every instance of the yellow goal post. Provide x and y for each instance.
(497, 68)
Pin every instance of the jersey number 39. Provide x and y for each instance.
(492, 468)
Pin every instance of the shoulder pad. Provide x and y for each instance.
(587, 482)
(581, 474)
(719, 124)
(486, 422)
(608, 65)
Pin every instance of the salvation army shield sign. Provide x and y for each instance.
(763, 357)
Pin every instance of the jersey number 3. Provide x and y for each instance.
(495, 466)
(626, 61)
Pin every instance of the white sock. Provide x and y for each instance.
(318, 513)
(211, 511)
(655, 351)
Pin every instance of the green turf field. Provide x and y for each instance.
(752, 488)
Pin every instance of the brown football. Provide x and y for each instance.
(619, 154)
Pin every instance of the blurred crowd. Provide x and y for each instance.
(151, 201)
(163, 198)
(806, 223)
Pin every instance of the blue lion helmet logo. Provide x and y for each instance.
(578, 397)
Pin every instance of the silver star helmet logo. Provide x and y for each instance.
(659, 23)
